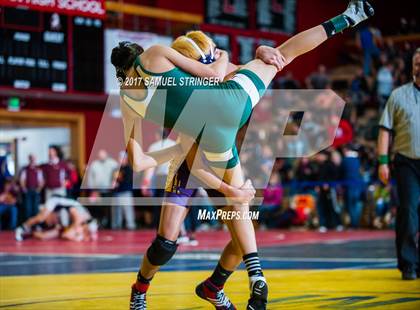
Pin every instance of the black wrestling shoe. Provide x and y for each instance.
(259, 295)
(214, 295)
(137, 300)
(408, 274)
(358, 11)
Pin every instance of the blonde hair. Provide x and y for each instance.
(184, 46)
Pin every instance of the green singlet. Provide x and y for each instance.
(201, 108)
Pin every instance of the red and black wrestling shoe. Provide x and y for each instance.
(215, 295)
(137, 299)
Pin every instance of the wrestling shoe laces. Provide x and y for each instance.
(215, 296)
(137, 300)
(358, 11)
(259, 295)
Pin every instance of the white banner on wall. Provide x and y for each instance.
(112, 37)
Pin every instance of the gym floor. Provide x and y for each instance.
(305, 270)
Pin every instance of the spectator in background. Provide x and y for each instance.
(273, 195)
(266, 159)
(297, 147)
(344, 133)
(318, 79)
(100, 173)
(31, 182)
(8, 204)
(305, 175)
(288, 81)
(367, 39)
(407, 54)
(73, 180)
(155, 178)
(305, 170)
(359, 88)
(314, 132)
(385, 81)
(327, 205)
(4, 167)
(122, 205)
(389, 49)
(351, 174)
(54, 173)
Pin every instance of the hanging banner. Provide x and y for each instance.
(90, 8)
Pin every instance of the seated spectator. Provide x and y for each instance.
(60, 218)
(8, 204)
(382, 197)
(273, 195)
(305, 170)
(343, 134)
(303, 207)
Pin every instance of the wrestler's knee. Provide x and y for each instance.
(161, 251)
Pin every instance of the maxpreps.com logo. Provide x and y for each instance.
(224, 215)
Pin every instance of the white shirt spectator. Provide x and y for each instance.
(100, 173)
(385, 82)
(159, 145)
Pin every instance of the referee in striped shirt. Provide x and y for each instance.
(401, 118)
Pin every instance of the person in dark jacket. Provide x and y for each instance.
(353, 187)
(328, 209)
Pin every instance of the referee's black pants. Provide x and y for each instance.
(407, 172)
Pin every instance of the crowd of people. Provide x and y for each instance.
(21, 195)
(334, 189)
(338, 187)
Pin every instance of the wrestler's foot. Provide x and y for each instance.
(259, 295)
(21, 233)
(358, 11)
(137, 300)
(216, 296)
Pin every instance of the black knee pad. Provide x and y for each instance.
(161, 251)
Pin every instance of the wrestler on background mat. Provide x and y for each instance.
(60, 217)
